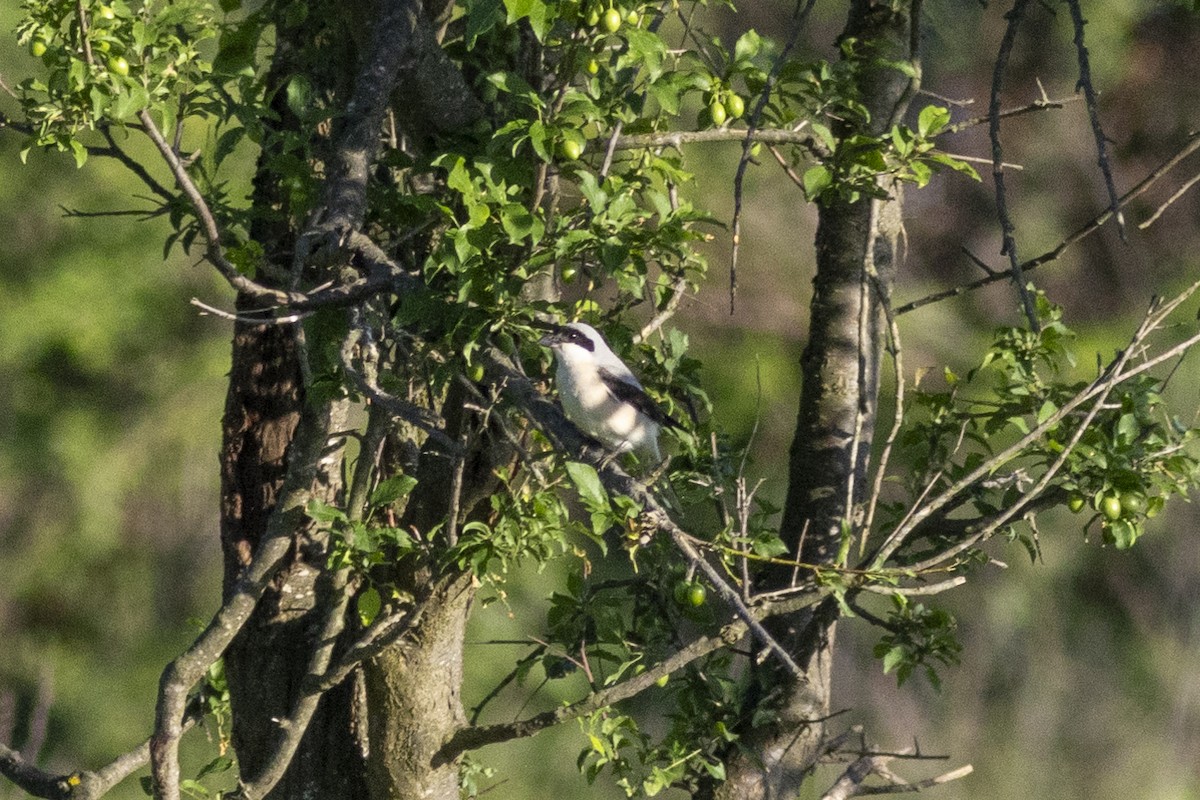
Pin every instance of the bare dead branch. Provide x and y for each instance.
(850, 783)
(1040, 104)
(1007, 229)
(1091, 226)
(1089, 94)
(918, 786)
(799, 16)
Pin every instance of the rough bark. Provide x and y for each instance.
(413, 690)
(267, 662)
(856, 247)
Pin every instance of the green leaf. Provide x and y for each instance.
(816, 180)
(80, 152)
(535, 10)
(893, 658)
(587, 483)
(392, 489)
(324, 513)
(369, 605)
(931, 120)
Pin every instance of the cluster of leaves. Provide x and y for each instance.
(917, 635)
(1124, 461)
(105, 62)
(1122, 457)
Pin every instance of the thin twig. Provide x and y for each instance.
(803, 7)
(1170, 200)
(897, 415)
(1091, 226)
(1040, 104)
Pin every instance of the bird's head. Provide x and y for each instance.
(578, 340)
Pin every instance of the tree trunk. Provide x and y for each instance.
(267, 661)
(413, 690)
(856, 248)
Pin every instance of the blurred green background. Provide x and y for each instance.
(1080, 675)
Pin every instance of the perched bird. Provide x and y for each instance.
(601, 395)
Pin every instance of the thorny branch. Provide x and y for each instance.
(1008, 231)
(1089, 93)
(1091, 226)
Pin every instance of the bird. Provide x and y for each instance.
(601, 395)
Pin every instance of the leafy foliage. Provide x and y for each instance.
(566, 190)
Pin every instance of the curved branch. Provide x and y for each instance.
(478, 736)
(308, 446)
(83, 785)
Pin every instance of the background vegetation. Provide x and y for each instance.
(1078, 676)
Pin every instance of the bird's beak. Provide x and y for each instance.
(554, 337)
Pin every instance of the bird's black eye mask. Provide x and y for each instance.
(580, 338)
(565, 335)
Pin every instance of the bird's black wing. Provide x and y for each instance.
(633, 394)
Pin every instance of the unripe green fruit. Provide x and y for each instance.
(571, 149)
(697, 594)
(593, 66)
(1133, 503)
(1076, 503)
(475, 373)
(717, 112)
(1110, 506)
(611, 20)
(37, 48)
(118, 65)
(631, 18)
(106, 12)
(735, 105)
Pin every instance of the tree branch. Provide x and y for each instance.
(307, 448)
(677, 139)
(1091, 226)
(477, 736)
(83, 785)
(1008, 231)
(1089, 93)
(1112, 376)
